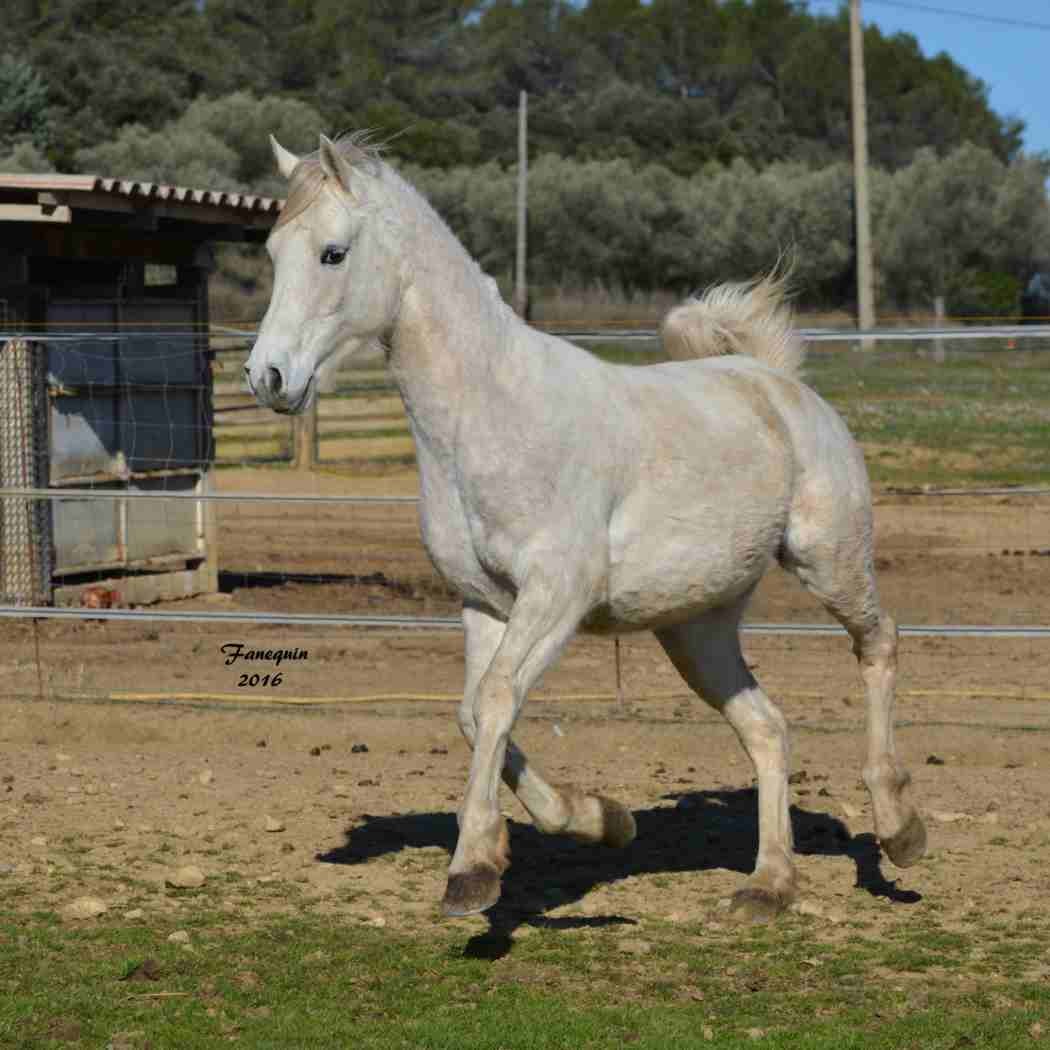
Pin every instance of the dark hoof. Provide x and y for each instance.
(619, 828)
(471, 892)
(752, 904)
(908, 845)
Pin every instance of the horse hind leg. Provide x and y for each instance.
(707, 654)
(839, 573)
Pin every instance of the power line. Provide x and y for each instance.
(953, 12)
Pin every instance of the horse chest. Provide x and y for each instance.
(449, 541)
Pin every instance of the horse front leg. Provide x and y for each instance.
(548, 609)
(554, 810)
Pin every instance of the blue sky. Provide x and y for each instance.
(1013, 60)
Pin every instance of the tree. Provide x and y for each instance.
(947, 219)
(23, 103)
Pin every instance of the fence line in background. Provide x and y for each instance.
(453, 623)
(809, 335)
(265, 497)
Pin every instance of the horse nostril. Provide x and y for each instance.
(275, 379)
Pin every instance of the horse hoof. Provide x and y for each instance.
(909, 844)
(471, 892)
(754, 905)
(619, 828)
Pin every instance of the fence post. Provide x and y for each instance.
(25, 524)
(304, 456)
(938, 344)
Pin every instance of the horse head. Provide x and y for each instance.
(337, 273)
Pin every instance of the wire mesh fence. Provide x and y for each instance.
(956, 430)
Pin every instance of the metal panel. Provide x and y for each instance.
(79, 363)
(160, 431)
(87, 533)
(168, 354)
(84, 436)
(161, 527)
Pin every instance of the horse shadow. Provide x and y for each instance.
(704, 830)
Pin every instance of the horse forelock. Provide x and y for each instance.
(309, 177)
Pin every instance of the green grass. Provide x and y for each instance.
(977, 418)
(311, 981)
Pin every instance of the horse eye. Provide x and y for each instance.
(332, 256)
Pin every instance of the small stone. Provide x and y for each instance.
(186, 878)
(206, 777)
(90, 789)
(38, 840)
(340, 791)
(708, 1033)
(85, 908)
(934, 760)
(755, 1033)
(270, 824)
(810, 908)
(836, 916)
(851, 811)
(377, 920)
(60, 757)
(179, 937)
(135, 913)
(945, 817)
(1035, 1030)
(359, 749)
(260, 743)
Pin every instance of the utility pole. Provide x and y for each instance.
(521, 294)
(865, 267)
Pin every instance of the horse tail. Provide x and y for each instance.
(750, 318)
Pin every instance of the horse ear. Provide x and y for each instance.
(335, 165)
(286, 160)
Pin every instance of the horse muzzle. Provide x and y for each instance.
(271, 388)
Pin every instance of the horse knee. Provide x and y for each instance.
(468, 724)
(877, 647)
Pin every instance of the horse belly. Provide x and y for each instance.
(659, 581)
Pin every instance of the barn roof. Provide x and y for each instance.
(90, 199)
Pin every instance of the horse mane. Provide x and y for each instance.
(751, 318)
(360, 148)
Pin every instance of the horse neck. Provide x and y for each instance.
(452, 335)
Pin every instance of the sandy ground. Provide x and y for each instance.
(136, 751)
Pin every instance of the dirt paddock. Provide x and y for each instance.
(136, 745)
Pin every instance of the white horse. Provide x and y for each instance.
(560, 493)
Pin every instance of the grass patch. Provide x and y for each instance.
(313, 982)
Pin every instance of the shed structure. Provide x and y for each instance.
(106, 382)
